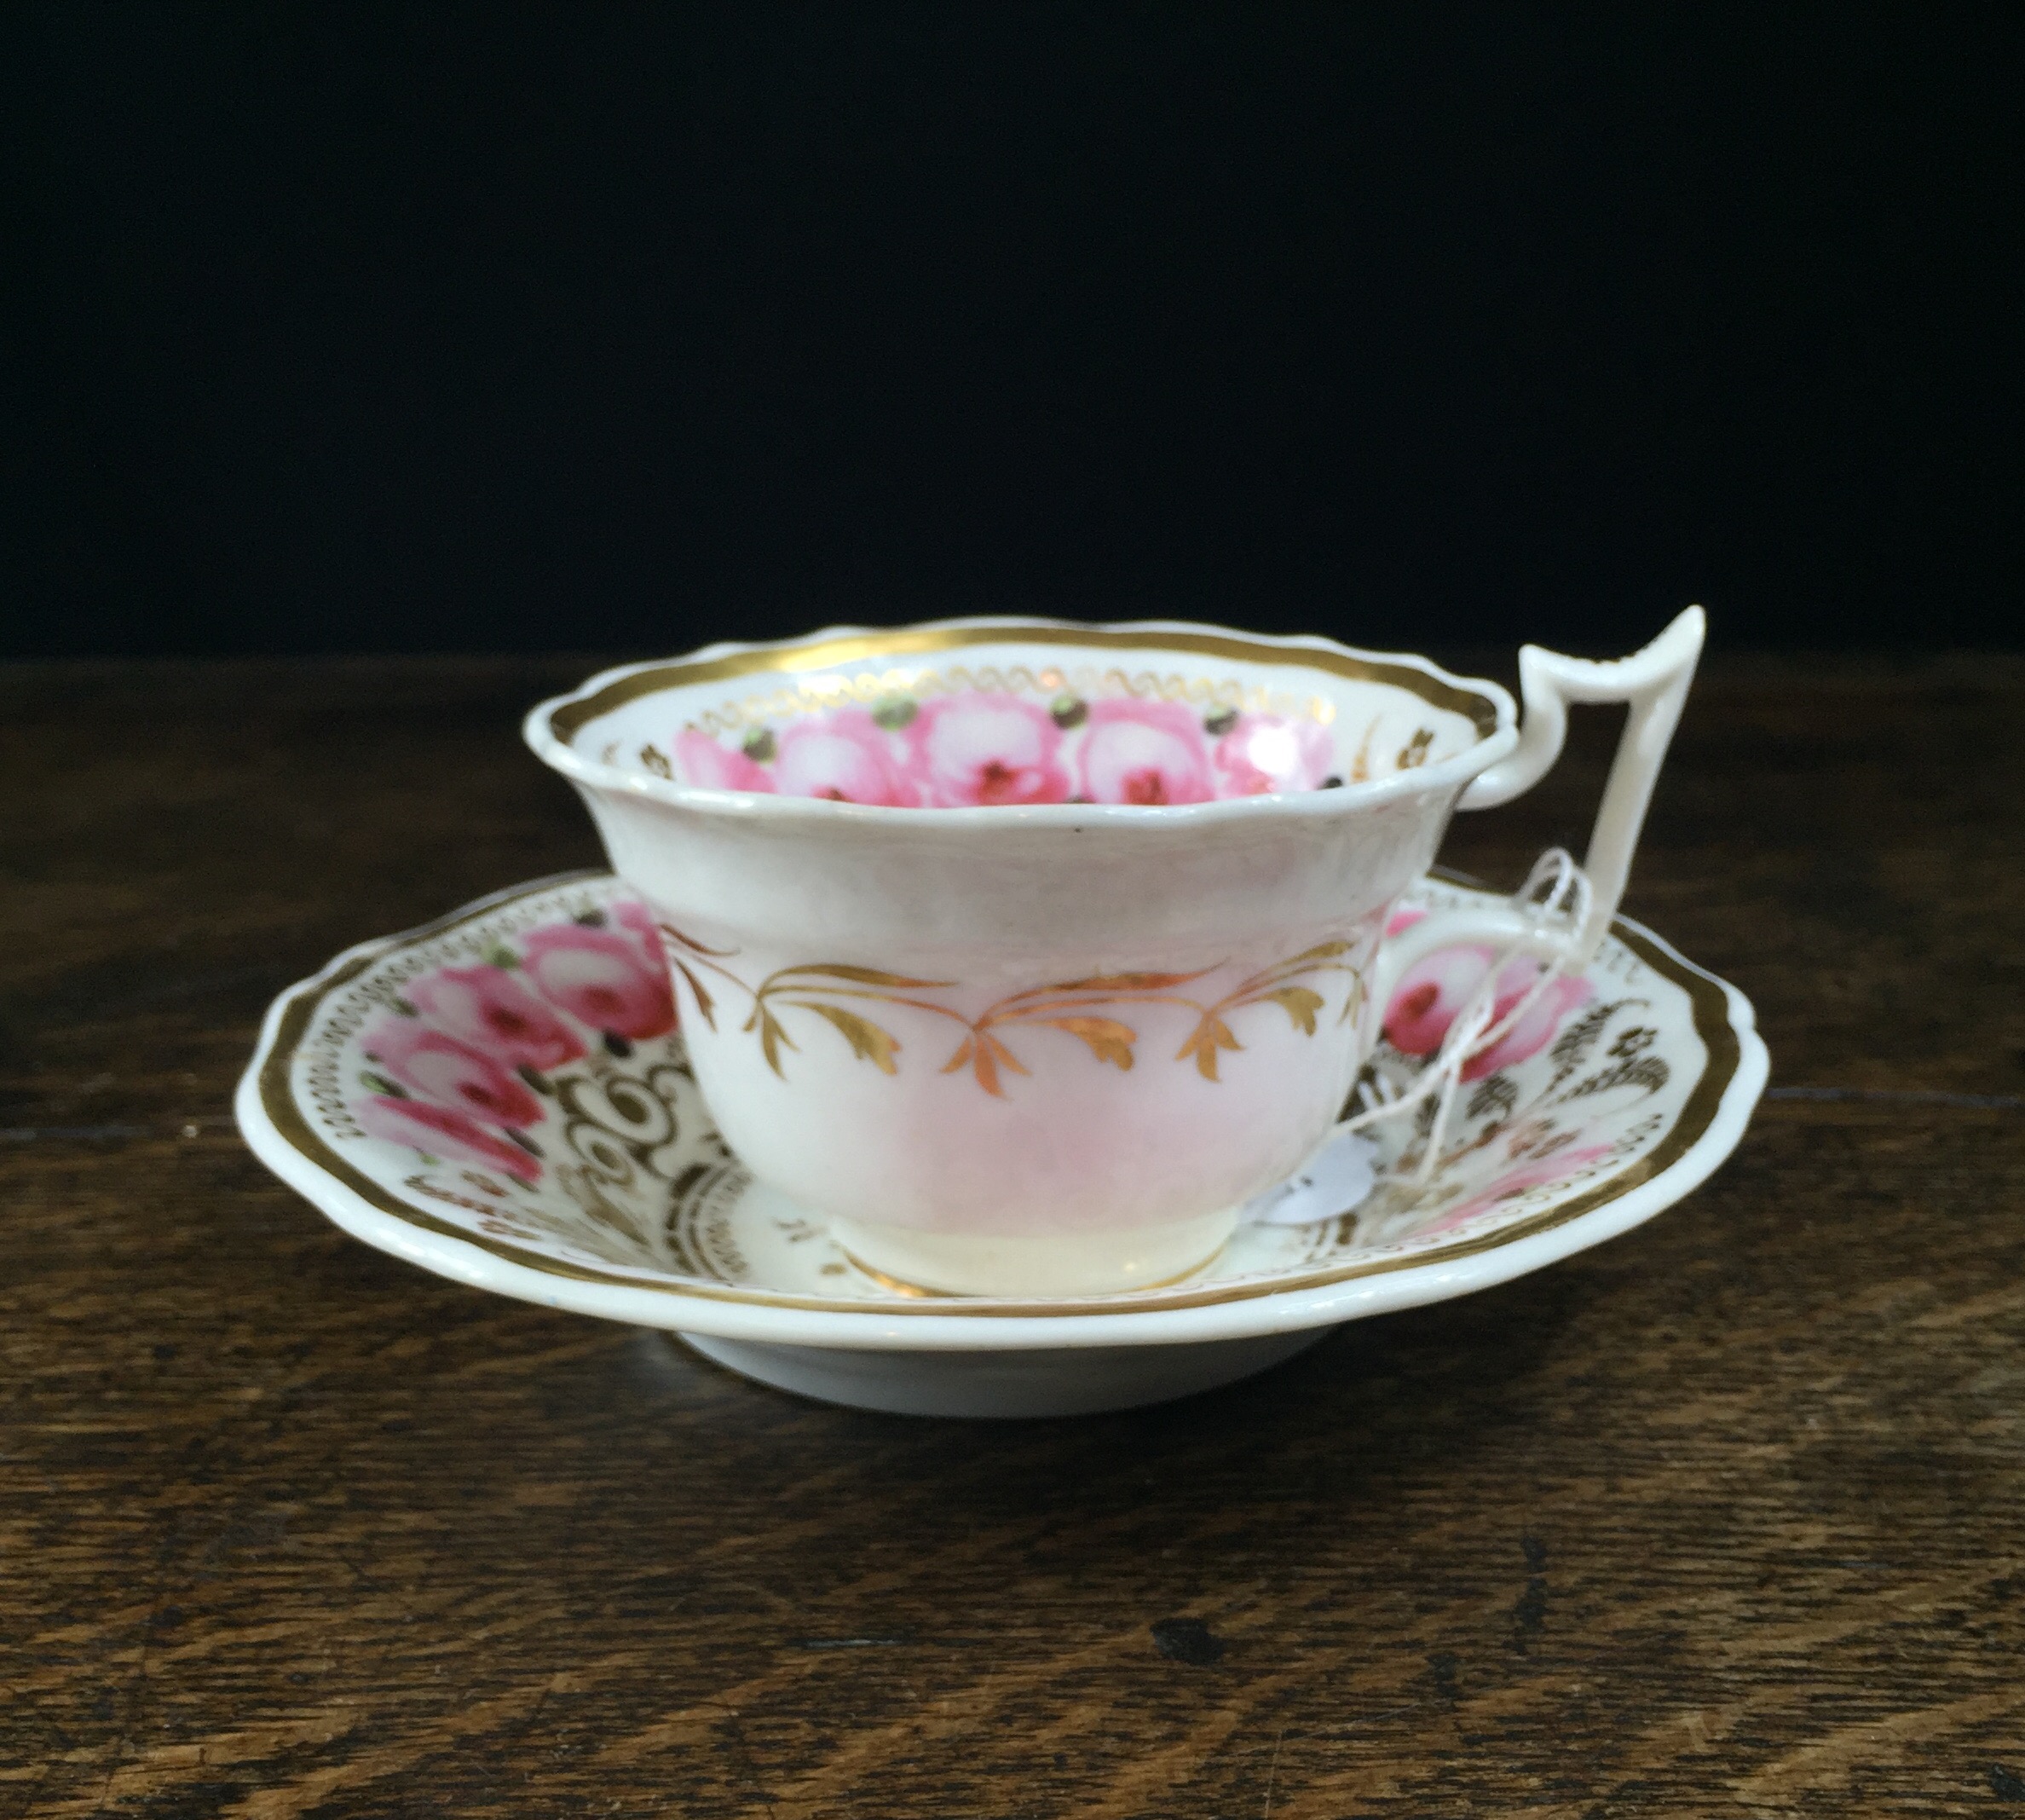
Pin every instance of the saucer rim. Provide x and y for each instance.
(558, 751)
(1727, 1092)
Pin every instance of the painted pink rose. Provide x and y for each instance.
(1533, 1031)
(1538, 1174)
(1263, 754)
(1403, 920)
(979, 748)
(440, 1132)
(1145, 752)
(846, 756)
(600, 977)
(702, 761)
(1431, 995)
(434, 1064)
(635, 920)
(488, 1007)
(1432, 992)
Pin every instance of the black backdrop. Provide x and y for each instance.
(623, 327)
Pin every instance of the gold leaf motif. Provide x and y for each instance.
(867, 1040)
(689, 942)
(1360, 767)
(1067, 1005)
(772, 1037)
(1108, 1039)
(705, 1004)
(1121, 983)
(1300, 1005)
(1210, 1035)
(984, 1062)
(861, 976)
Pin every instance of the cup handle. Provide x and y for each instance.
(1563, 931)
(1518, 926)
(1653, 683)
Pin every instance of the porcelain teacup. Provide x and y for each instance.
(1024, 954)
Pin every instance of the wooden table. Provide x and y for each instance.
(1725, 1517)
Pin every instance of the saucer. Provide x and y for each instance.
(502, 1097)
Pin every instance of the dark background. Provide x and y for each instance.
(354, 328)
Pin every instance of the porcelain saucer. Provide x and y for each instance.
(502, 1097)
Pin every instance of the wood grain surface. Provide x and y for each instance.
(1726, 1517)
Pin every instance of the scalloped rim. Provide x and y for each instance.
(555, 749)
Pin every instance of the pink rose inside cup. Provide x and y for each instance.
(1263, 754)
(1147, 753)
(985, 749)
(975, 749)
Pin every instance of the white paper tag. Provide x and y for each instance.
(1338, 1178)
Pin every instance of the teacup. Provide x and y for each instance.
(1024, 954)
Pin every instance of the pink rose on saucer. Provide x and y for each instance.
(600, 976)
(438, 1131)
(846, 756)
(1533, 1031)
(635, 920)
(1431, 995)
(487, 1007)
(979, 748)
(1145, 752)
(434, 1064)
(1263, 754)
(703, 762)
(1539, 1174)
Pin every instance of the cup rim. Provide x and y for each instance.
(550, 726)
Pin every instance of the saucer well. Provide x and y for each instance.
(502, 1097)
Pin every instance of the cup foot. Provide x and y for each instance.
(1065, 1381)
(915, 1262)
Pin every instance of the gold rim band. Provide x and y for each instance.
(566, 720)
